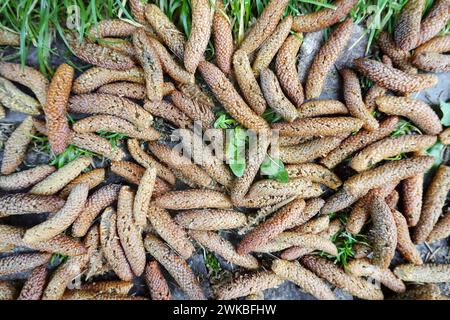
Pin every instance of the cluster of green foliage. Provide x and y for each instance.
(237, 139)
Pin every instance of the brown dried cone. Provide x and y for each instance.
(169, 65)
(267, 200)
(35, 284)
(295, 187)
(426, 273)
(114, 124)
(354, 101)
(375, 90)
(326, 126)
(363, 268)
(361, 250)
(199, 36)
(393, 199)
(432, 62)
(211, 219)
(286, 69)
(120, 45)
(169, 112)
(9, 38)
(112, 28)
(310, 150)
(444, 136)
(247, 284)
(264, 26)
(339, 201)
(111, 247)
(16, 146)
(437, 44)
(404, 243)
(96, 202)
(92, 295)
(193, 199)
(323, 18)
(434, 21)
(356, 286)
(111, 105)
(360, 214)
(229, 97)
(194, 92)
(441, 229)
(62, 219)
(20, 262)
(170, 231)
(150, 62)
(204, 156)
(223, 38)
(400, 58)
(314, 172)
(383, 232)
(247, 82)
(215, 243)
(55, 109)
(184, 165)
(92, 179)
(271, 45)
(305, 279)
(26, 178)
(108, 287)
(313, 226)
(285, 218)
(275, 97)
(394, 79)
(97, 55)
(165, 29)
(72, 268)
(297, 240)
(390, 147)
(138, 11)
(320, 108)
(7, 289)
(28, 77)
(147, 161)
(176, 267)
(132, 90)
(59, 244)
(358, 141)
(129, 234)
(25, 203)
(133, 173)
(407, 26)
(412, 194)
(195, 111)
(421, 292)
(261, 214)
(326, 57)
(143, 196)
(5, 247)
(60, 178)
(14, 99)
(96, 77)
(433, 203)
(157, 284)
(391, 171)
(97, 144)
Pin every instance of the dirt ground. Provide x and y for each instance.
(437, 252)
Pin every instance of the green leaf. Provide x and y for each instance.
(436, 152)
(445, 108)
(237, 168)
(235, 151)
(274, 168)
(271, 115)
